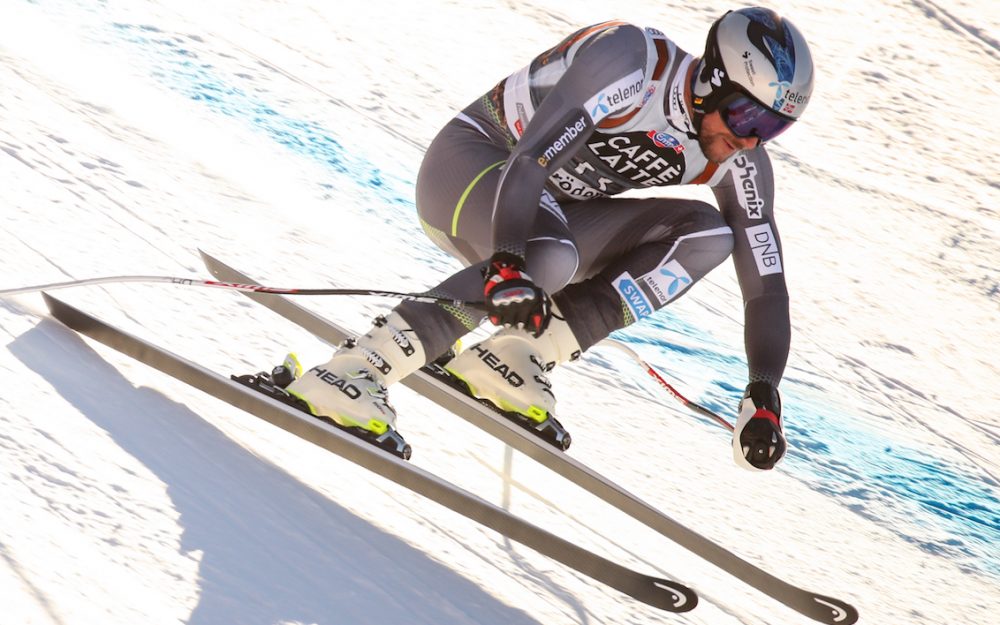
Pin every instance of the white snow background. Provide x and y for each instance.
(284, 138)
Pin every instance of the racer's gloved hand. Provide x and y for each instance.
(758, 443)
(512, 299)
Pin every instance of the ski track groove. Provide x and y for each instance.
(934, 10)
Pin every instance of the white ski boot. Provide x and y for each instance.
(508, 370)
(350, 389)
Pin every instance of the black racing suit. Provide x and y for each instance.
(531, 168)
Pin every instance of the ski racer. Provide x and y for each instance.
(520, 187)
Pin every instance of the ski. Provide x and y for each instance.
(660, 593)
(427, 382)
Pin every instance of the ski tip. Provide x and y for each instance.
(834, 611)
(58, 308)
(673, 596)
(208, 260)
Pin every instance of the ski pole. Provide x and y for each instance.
(414, 297)
(673, 391)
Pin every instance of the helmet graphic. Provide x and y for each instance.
(757, 72)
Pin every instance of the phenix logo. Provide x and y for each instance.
(746, 181)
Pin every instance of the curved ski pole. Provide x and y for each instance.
(256, 288)
(670, 389)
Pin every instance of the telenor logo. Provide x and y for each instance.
(668, 281)
(614, 96)
(676, 282)
(779, 95)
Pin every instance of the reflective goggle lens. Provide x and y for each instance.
(746, 117)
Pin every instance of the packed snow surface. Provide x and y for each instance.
(284, 138)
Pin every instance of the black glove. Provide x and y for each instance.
(758, 443)
(512, 299)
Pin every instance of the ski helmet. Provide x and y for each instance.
(757, 72)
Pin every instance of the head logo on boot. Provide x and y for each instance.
(499, 366)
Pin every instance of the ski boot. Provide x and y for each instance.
(508, 371)
(350, 390)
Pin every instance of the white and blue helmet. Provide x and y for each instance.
(757, 71)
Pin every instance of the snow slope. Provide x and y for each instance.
(284, 138)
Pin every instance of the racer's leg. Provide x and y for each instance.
(637, 255)
(455, 189)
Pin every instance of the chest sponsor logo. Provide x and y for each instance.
(636, 157)
(663, 140)
(614, 96)
(633, 296)
(668, 281)
(573, 187)
(765, 249)
(745, 173)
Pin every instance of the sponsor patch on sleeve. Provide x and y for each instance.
(615, 96)
(632, 295)
(765, 249)
(668, 281)
(745, 177)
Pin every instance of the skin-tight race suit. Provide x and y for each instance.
(532, 168)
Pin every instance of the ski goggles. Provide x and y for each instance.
(746, 117)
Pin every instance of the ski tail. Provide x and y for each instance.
(656, 592)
